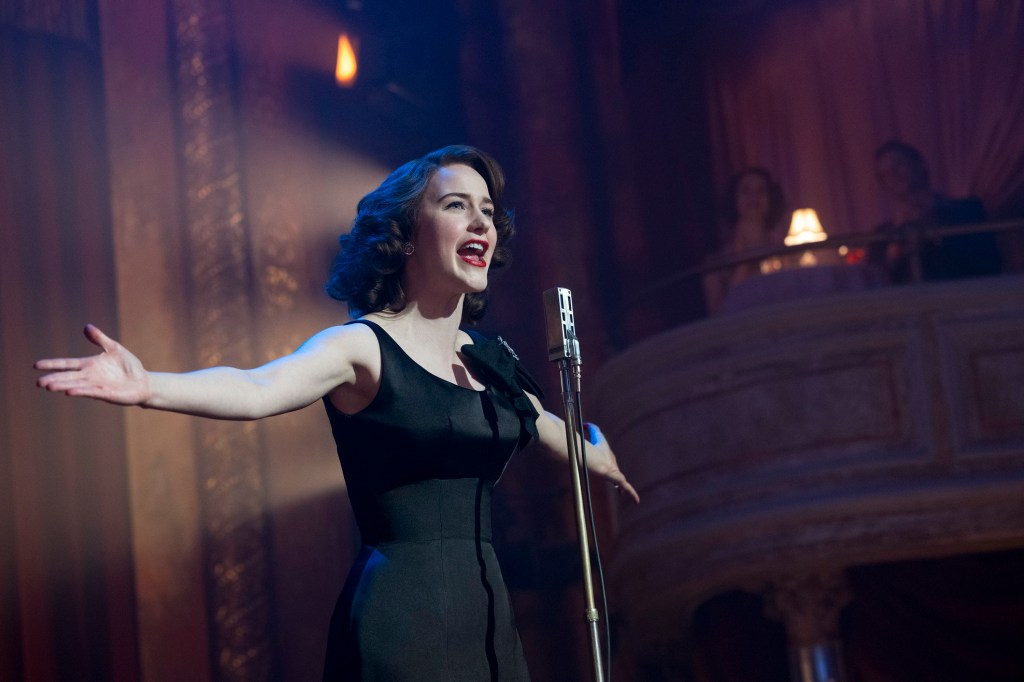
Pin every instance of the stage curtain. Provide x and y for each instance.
(66, 596)
(810, 89)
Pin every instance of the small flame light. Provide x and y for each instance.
(346, 68)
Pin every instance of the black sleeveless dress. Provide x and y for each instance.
(425, 600)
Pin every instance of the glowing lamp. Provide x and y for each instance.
(346, 68)
(805, 229)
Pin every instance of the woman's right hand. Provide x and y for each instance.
(115, 375)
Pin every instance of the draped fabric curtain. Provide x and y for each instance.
(806, 88)
(810, 89)
(66, 601)
(113, 564)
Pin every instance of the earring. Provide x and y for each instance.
(408, 249)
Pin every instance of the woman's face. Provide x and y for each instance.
(454, 235)
(752, 198)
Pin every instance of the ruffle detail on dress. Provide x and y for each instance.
(498, 365)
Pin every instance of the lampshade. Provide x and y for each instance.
(805, 228)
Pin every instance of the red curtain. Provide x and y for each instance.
(65, 567)
(806, 88)
(810, 89)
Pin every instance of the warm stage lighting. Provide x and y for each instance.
(345, 70)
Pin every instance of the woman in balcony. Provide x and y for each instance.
(752, 209)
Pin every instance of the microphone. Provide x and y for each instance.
(564, 348)
(561, 326)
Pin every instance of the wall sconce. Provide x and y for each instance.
(346, 67)
(805, 228)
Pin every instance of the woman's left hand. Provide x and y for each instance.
(600, 458)
(604, 463)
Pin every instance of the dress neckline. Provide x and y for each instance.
(421, 368)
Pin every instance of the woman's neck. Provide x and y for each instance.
(431, 327)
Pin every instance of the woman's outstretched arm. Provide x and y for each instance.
(600, 458)
(322, 364)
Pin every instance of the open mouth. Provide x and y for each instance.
(473, 252)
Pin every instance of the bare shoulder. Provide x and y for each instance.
(355, 347)
(345, 334)
(355, 344)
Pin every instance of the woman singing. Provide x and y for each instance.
(424, 413)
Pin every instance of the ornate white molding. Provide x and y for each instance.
(817, 434)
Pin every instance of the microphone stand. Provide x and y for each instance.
(569, 368)
(564, 348)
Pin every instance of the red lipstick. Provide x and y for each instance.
(473, 251)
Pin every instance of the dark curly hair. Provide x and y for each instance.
(367, 272)
(776, 200)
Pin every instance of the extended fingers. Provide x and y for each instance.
(623, 486)
(72, 384)
(96, 336)
(59, 364)
(626, 487)
(59, 381)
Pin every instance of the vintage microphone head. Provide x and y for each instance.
(561, 326)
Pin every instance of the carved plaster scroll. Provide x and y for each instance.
(809, 605)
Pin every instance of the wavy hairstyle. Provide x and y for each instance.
(367, 272)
